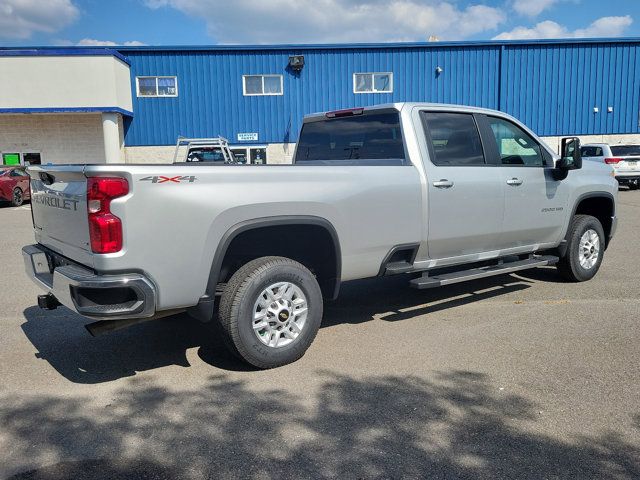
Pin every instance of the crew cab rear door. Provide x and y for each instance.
(465, 195)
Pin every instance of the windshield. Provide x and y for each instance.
(625, 150)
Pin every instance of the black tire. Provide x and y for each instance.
(236, 311)
(17, 198)
(569, 266)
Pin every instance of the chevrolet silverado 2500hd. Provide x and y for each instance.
(440, 193)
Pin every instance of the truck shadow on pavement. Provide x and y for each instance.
(457, 424)
(61, 339)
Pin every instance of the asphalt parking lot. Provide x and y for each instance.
(519, 376)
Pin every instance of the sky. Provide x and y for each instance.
(206, 22)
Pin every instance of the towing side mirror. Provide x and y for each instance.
(570, 157)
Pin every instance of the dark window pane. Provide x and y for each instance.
(167, 86)
(240, 155)
(455, 139)
(147, 86)
(515, 146)
(31, 158)
(372, 136)
(259, 156)
(625, 150)
(591, 151)
(205, 155)
(382, 82)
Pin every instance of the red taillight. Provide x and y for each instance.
(105, 229)
(612, 161)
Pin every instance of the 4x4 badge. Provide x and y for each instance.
(162, 179)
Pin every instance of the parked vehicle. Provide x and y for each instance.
(625, 160)
(441, 193)
(14, 185)
(208, 150)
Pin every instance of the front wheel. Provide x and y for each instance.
(270, 311)
(17, 198)
(585, 249)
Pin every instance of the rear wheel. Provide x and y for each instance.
(270, 311)
(585, 249)
(17, 198)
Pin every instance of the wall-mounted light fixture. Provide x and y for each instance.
(439, 70)
(596, 109)
(296, 62)
(610, 109)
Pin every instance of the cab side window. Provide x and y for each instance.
(591, 152)
(455, 140)
(515, 146)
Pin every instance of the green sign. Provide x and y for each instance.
(11, 158)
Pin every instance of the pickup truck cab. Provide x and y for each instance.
(440, 193)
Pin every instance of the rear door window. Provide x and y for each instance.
(372, 138)
(455, 140)
(591, 152)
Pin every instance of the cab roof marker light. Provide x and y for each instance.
(349, 112)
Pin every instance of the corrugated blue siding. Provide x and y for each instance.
(210, 100)
(554, 88)
(551, 87)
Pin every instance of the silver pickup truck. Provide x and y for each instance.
(440, 193)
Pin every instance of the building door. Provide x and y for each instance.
(258, 155)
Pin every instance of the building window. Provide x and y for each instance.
(373, 82)
(157, 86)
(262, 85)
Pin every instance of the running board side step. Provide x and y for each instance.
(473, 274)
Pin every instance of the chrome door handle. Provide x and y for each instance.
(514, 181)
(443, 183)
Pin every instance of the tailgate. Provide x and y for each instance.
(59, 210)
(629, 164)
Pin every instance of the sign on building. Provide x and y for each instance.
(248, 137)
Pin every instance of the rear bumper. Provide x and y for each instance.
(624, 179)
(101, 297)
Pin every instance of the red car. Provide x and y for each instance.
(14, 185)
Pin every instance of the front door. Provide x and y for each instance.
(534, 201)
(465, 194)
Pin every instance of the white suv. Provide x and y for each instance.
(625, 160)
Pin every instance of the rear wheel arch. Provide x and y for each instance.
(315, 230)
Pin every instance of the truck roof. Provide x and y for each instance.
(408, 105)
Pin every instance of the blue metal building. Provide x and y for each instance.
(131, 104)
(553, 86)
